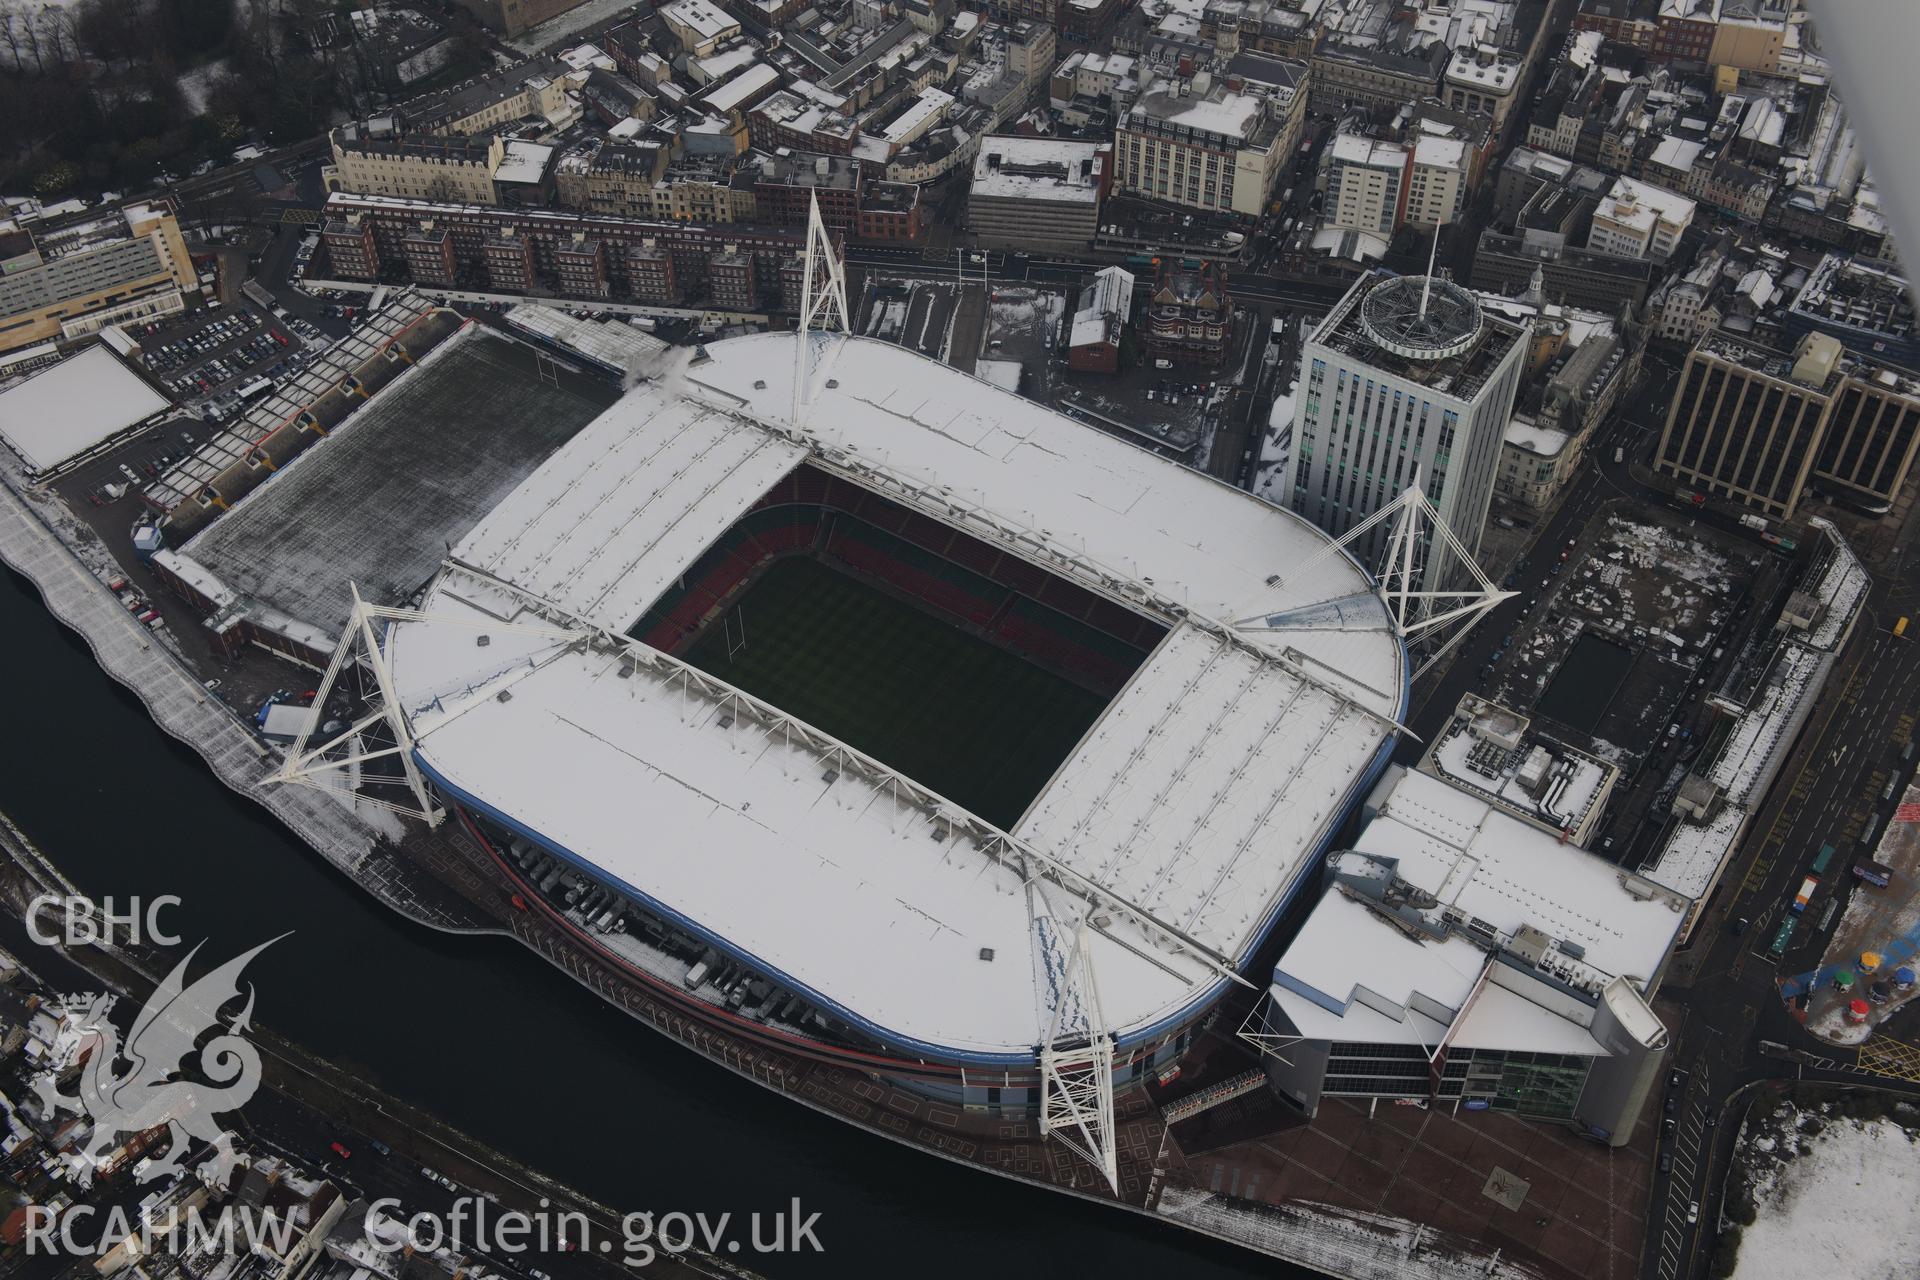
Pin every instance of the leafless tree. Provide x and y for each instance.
(11, 21)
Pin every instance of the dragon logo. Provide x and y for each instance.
(136, 1087)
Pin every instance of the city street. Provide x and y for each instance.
(1722, 984)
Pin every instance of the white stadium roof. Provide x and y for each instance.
(1188, 813)
(71, 407)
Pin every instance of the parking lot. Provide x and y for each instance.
(206, 358)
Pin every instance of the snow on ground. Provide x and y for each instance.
(1833, 1027)
(556, 28)
(1034, 314)
(888, 320)
(197, 81)
(1346, 1242)
(1836, 1202)
(1276, 448)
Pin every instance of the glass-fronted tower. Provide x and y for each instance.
(1405, 376)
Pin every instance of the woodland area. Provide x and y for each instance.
(114, 93)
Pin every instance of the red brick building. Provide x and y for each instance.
(1189, 315)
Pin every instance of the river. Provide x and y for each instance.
(492, 1038)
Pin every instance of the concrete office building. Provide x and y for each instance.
(68, 281)
(1758, 425)
(1036, 193)
(1406, 376)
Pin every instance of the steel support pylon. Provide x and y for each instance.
(1418, 611)
(1076, 1069)
(823, 299)
(338, 763)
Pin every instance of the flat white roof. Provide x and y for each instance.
(1350, 975)
(930, 106)
(1496, 867)
(1219, 111)
(1498, 72)
(734, 92)
(1628, 200)
(1530, 435)
(523, 161)
(1677, 153)
(1440, 153)
(1198, 798)
(68, 408)
(1357, 148)
(700, 16)
(997, 165)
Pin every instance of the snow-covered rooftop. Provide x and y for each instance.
(611, 344)
(523, 161)
(1677, 153)
(1351, 975)
(1638, 204)
(702, 17)
(1436, 152)
(1358, 148)
(1009, 167)
(1190, 811)
(68, 408)
(378, 500)
(1484, 68)
(1489, 864)
(1104, 306)
(1218, 110)
(740, 90)
(1525, 433)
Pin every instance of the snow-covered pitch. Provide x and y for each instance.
(1177, 829)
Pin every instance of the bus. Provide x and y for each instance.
(1778, 947)
(253, 390)
(1826, 857)
(1877, 874)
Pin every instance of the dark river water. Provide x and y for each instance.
(492, 1038)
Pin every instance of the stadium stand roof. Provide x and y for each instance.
(1179, 826)
(378, 501)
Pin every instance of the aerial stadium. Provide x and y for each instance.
(875, 713)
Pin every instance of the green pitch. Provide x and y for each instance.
(981, 726)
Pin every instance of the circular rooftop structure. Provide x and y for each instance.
(1420, 317)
